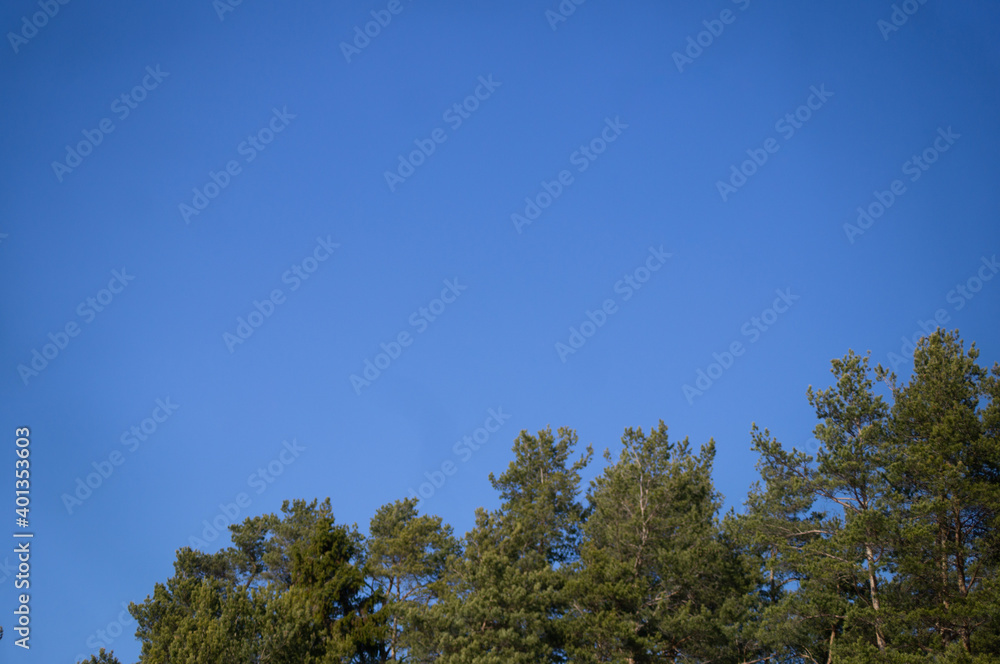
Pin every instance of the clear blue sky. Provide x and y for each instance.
(328, 123)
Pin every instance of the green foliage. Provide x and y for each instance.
(822, 523)
(289, 590)
(408, 556)
(506, 595)
(946, 472)
(656, 580)
(883, 547)
(102, 658)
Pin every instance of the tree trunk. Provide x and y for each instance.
(873, 586)
(963, 588)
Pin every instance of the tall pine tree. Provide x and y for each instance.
(506, 595)
(656, 581)
(822, 524)
(407, 558)
(946, 475)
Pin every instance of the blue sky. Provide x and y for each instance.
(621, 143)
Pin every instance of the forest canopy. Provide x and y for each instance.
(883, 546)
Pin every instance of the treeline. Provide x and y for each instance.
(884, 547)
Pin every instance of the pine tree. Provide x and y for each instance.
(946, 475)
(656, 580)
(407, 559)
(288, 591)
(506, 595)
(102, 658)
(823, 525)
